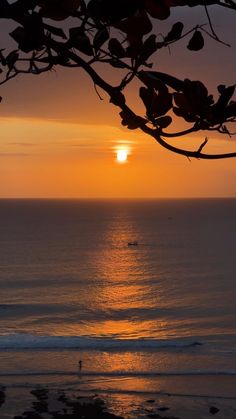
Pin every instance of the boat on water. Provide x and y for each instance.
(134, 243)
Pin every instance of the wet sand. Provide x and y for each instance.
(46, 403)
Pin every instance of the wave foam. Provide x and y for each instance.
(118, 374)
(35, 342)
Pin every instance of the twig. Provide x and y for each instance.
(210, 23)
(202, 145)
(216, 38)
(96, 90)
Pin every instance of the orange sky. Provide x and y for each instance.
(59, 140)
(40, 158)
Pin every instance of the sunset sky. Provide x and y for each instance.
(58, 139)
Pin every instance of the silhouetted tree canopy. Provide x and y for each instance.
(121, 34)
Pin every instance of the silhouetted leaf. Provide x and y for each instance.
(131, 121)
(58, 9)
(100, 38)
(182, 101)
(196, 90)
(186, 116)
(194, 103)
(196, 42)
(31, 36)
(2, 58)
(12, 58)
(153, 78)
(18, 35)
(55, 31)
(175, 32)
(135, 45)
(112, 11)
(61, 59)
(158, 9)
(116, 48)
(223, 108)
(147, 95)
(80, 41)
(156, 104)
(230, 111)
(164, 121)
(225, 94)
(148, 48)
(116, 63)
(136, 25)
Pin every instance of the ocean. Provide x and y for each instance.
(156, 318)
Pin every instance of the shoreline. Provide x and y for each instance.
(46, 402)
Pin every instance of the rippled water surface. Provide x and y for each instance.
(71, 287)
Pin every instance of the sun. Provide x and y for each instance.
(122, 155)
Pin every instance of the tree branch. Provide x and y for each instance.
(118, 99)
(231, 5)
(191, 97)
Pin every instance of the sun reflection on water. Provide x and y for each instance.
(123, 295)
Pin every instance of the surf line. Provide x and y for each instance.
(117, 373)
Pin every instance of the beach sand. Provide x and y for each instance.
(51, 403)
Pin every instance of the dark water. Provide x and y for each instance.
(71, 288)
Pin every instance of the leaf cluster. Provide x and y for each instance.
(123, 35)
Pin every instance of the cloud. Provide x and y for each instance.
(14, 154)
(22, 144)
